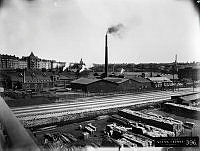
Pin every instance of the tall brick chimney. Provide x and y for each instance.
(106, 57)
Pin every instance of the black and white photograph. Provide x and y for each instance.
(99, 75)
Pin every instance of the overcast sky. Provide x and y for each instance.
(67, 30)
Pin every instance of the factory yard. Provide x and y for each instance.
(106, 121)
(100, 136)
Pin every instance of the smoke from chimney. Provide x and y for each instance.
(115, 29)
(111, 30)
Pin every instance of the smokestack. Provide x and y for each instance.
(106, 56)
(111, 30)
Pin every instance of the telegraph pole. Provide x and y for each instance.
(174, 71)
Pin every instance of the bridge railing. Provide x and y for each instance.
(13, 136)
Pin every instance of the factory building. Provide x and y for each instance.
(27, 80)
(160, 82)
(140, 82)
(110, 84)
(37, 81)
(122, 84)
(93, 85)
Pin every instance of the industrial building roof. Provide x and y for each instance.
(62, 77)
(116, 80)
(138, 79)
(170, 76)
(85, 81)
(159, 79)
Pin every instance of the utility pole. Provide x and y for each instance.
(174, 71)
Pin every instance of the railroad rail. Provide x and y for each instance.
(92, 105)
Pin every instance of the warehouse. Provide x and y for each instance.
(160, 82)
(122, 84)
(93, 85)
(140, 82)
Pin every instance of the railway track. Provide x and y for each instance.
(59, 105)
(93, 104)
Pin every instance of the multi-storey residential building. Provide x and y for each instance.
(8, 62)
(22, 64)
(15, 64)
(32, 61)
(41, 64)
(48, 65)
(55, 64)
(29, 62)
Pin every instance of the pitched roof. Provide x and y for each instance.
(116, 80)
(147, 74)
(138, 79)
(32, 54)
(62, 77)
(170, 76)
(159, 79)
(85, 81)
(68, 74)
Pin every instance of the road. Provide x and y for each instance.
(59, 109)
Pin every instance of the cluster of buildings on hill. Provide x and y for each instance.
(72, 77)
(9, 62)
